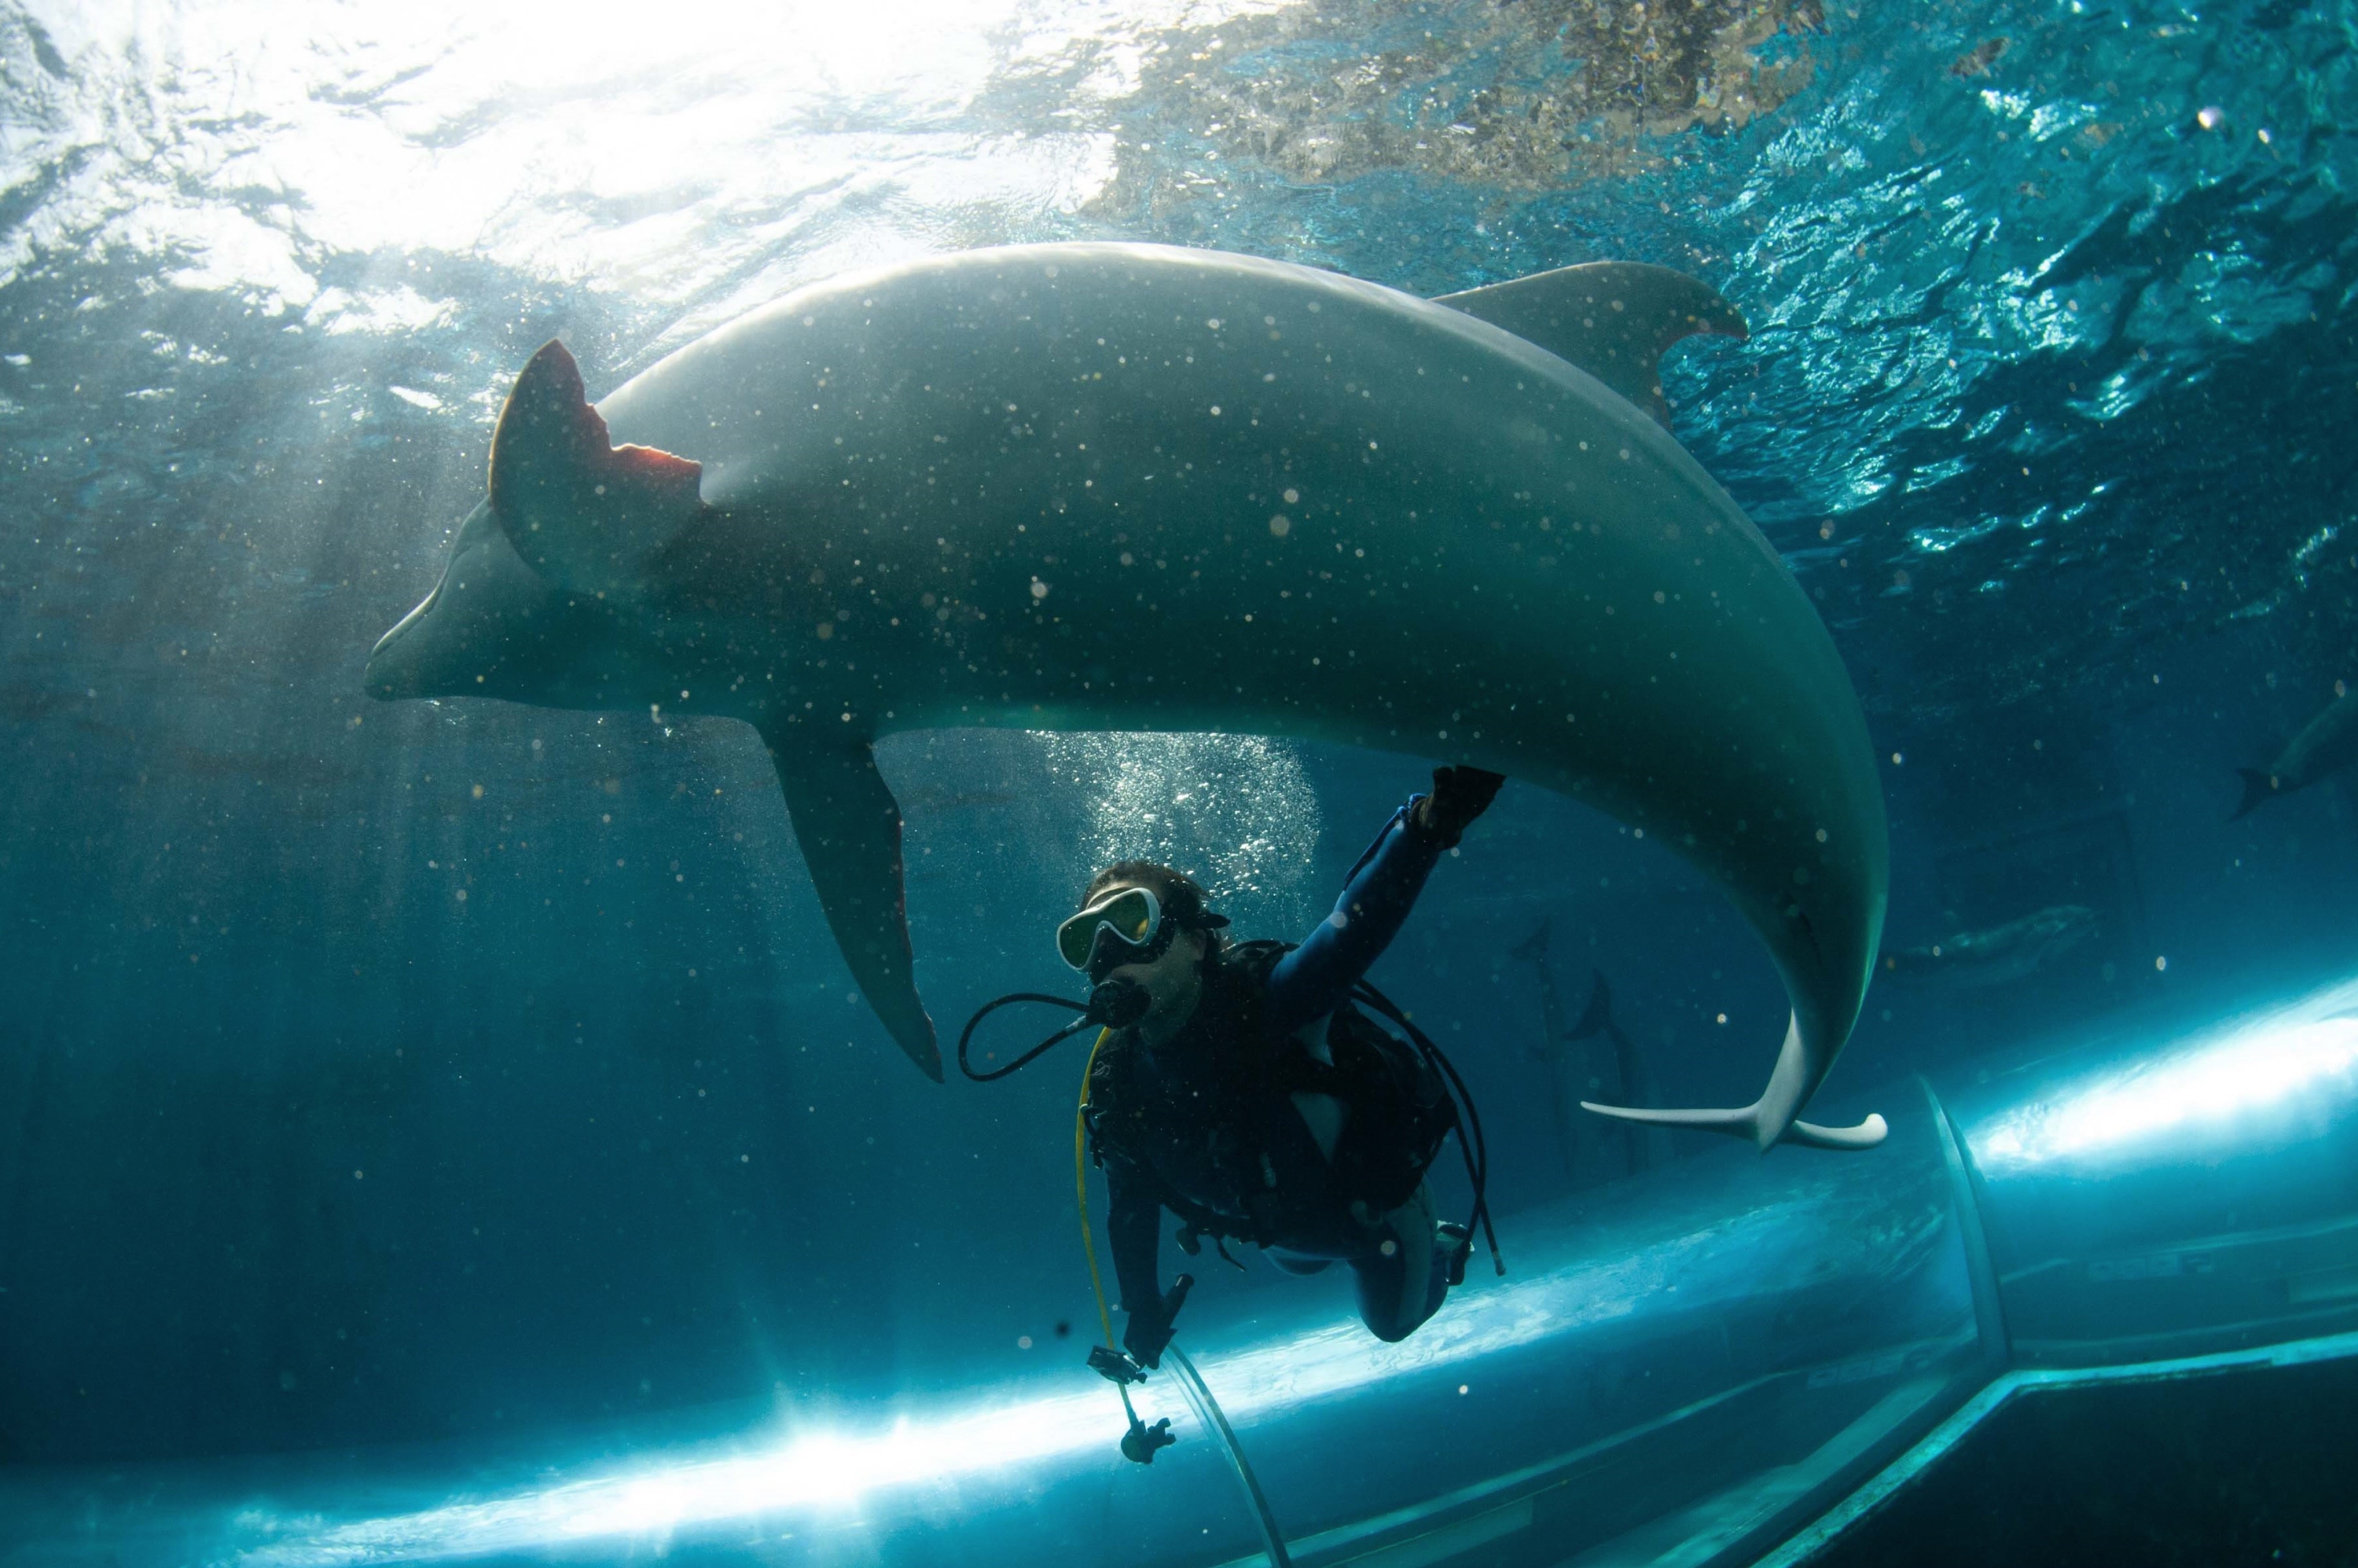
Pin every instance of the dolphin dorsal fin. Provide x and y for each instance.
(1614, 319)
(585, 514)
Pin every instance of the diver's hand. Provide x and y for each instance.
(1149, 1328)
(1459, 796)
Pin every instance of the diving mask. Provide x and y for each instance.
(1132, 914)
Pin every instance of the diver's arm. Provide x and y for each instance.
(1134, 1227)
(1134, 1222)
(1317, 978)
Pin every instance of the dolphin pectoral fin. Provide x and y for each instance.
(850, 829)
(583, 513)
(1614, 319)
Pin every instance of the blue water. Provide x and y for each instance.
(372, 1073)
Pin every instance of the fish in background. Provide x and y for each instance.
(1596, 1021)
(1532, 950)
(2326, 745)
(2000, 955)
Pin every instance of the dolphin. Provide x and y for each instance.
(2326, 745)
(2002, 954)
(1098, 486)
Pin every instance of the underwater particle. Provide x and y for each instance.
(2160, 964)
(1064, 1329)
(1281, 525)
(2211, 116)
(1022, 1342)
(1723, 1018)
(1461, 1388)
(1896, 759)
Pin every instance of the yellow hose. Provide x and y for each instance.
(1081, 1189)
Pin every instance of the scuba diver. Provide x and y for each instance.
(1237, 1086)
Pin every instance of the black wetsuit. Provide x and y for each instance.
(1216, 1124)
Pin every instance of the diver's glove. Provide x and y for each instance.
(1459, 796)
(1149, 1328)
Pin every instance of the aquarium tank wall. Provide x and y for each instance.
(501, 843)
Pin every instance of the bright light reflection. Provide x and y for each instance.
(676, 152)
(838, 1472)
(2284, 1062)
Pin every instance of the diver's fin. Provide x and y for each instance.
(585, 514)
(850, 829)
(1597, 1017)
(2258, 784)
(1769, 1119)
(1614, 319)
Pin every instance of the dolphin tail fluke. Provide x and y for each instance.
(850, 829)
(585, 514)
(1866, 1135)
(1770, 1120)
(1744, 1122)
(2258, 784)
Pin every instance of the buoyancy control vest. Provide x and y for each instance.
(1242, 1074)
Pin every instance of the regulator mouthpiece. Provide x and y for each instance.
(1119, 1004)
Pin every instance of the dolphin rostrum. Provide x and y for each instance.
(2326, 745)
(1132, 487)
